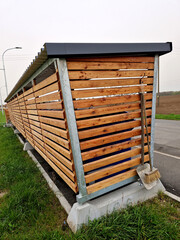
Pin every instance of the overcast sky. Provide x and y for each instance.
(29, 24)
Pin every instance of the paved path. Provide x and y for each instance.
(167, 153)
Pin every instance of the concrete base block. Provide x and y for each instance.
(16, 131)
(8, 125)
(121, 198)
(27, 146)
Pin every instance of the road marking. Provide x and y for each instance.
(168, 155)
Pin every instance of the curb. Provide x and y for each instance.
(172, 196)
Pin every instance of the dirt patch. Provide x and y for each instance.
(168, 105)
(2, 194)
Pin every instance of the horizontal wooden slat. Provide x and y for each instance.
(112, 159)
(109, 74)
(57, 131)
(60, 157)
(87, 103)
(57, 123)
(111, 149)
(51, 105)
(111, 138)
(48, 89)
(104, 65)
(111, 181)
(109, 91)
(72, 185)
(114, 169)
(56, 139)
(108, 83)
(60, 166)
(53, 114)
(49, 97)
(109, 119)
(113, 59)
(109, 110)
(110, 129)
(57, 147)
(46, 82)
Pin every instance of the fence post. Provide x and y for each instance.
(156, 70)
(72, 126)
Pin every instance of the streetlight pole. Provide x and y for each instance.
(1, 100)
(5, 79)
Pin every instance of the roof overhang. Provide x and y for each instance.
(64, 50)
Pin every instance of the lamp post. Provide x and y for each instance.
(4, 66)
(1, 100)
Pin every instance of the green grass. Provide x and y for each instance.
(2, 118)
(168, 116)
(30, 210)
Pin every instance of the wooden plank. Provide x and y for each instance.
(28, 92)
(109, 91)
(113, 159)
(111, 181)
(57, 131)
(110, 65)
(37, 129)
(109, 119)
(72, 185)
(32, 106)
(57, 147)
(54, 122)
(109, 74)
(111, 149)
(109, 109)
(34, 112)
(33, 117)
(31, 101)
(60, 157)
(51, 105)
(61, 166)
(34, 123)
(114, 169)
(110, 129)
(37, 134)
(48, 98)
(111, 138)
(113, 59)
(108, 83)
(56, 139)
(51, 113)
(46, 82)
(30, 96)
(48, 89)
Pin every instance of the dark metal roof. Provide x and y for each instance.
(88, 49)
(55, 50)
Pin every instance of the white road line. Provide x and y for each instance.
(168, 155)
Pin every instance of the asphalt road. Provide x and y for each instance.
(167, 153)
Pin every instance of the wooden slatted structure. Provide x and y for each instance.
(101, 93)
(106, 99)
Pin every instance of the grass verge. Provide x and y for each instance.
(168, 116)
(2, 118)
(30, 210)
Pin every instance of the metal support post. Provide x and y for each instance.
(156, 75)
(72, 126)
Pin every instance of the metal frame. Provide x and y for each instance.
(72, 126)
(156, 76)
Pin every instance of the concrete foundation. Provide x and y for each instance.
(121, 198)
(16, 131)
(8, 125)
(27, 146)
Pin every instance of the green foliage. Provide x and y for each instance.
(2, 118)
(168, 116)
